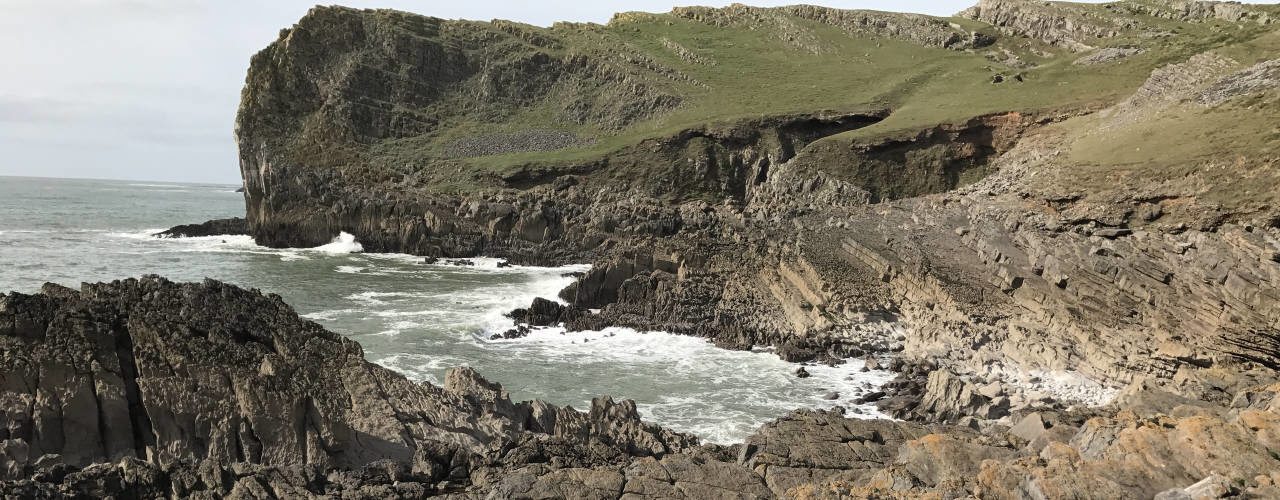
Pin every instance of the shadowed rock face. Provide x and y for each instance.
(543, 214)
(207, 373)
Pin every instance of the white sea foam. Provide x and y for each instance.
(344, 243)
(547, 283)
(329, 314)
(484, 264)
(384, 298)
(420, 367)
(370, 297)
(407, 314)
(144, 234)
(395, 258)
(734, 386)
(231, 243)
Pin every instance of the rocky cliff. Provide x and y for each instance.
(148, 389)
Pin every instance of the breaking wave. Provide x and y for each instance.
(344, 243)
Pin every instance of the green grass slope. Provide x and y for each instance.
(385, 91)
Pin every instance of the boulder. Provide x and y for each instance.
(541, 312)
(1030, 427)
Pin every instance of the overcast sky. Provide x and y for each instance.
(147, 89)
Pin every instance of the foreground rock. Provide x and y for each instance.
(215, 227)
(146, 388)
(191, 379)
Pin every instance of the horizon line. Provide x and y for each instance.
(70, 178)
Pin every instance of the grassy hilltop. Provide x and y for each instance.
(457, 105)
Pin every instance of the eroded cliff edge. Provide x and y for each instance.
(145, 388)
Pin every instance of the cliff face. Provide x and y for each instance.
(546, 214)
(342, 80)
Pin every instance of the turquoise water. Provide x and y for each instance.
(415, 318)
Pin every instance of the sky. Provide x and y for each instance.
(148, 89)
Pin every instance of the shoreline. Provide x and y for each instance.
(1023, 388)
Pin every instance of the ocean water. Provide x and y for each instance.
(412, 317)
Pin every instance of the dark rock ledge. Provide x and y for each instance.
(145, 388)
(215, 227)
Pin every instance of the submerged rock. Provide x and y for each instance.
(541, 312)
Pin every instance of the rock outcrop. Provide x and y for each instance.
(787, 25)
(216, 227)
(1081, 27)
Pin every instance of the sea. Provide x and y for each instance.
(416, 318)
